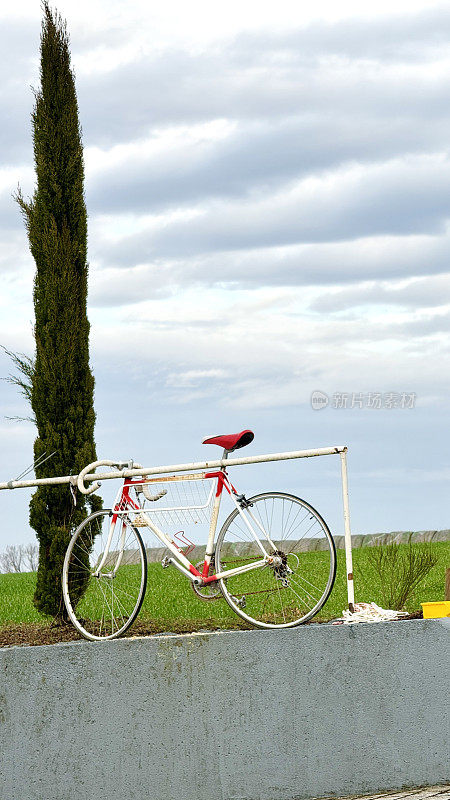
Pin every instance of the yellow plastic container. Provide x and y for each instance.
(434, 610)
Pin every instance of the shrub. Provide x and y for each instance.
(400, 568)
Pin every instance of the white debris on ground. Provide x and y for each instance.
(368, 612)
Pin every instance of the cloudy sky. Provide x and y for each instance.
(268, 195)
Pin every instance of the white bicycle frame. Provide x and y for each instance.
(179, 559)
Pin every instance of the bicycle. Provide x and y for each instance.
(261, 563)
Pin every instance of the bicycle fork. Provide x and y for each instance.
(100, 566)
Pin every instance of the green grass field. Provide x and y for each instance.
(171, 601)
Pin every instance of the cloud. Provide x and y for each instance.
(19, 45)
(395, 38)
(252, 348)
(432, 324)
(397, 199)
(10, 216)
(320, 265)
(371, 70)
(416, 293)
(193, 166)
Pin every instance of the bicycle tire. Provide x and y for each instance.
(104, 606)
(271, 596)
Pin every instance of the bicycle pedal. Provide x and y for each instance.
(166, 562)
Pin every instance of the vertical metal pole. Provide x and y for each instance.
(348, 535)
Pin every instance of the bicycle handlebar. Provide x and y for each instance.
(105, 463)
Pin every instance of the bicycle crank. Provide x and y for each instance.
(212, 590)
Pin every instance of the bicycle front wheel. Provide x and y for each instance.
(103, 599)
(294, 588)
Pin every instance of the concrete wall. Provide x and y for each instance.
(255, 715)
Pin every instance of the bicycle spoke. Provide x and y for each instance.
(297, 595)
(290, 588)
(305, 580)
(104, 606)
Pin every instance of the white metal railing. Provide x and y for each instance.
(127, 469)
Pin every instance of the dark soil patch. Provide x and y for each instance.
(35, 634)
(415, 615)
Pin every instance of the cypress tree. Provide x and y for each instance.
(62, 385)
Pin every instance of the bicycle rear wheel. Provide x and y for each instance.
(103, 603)
(296, 586)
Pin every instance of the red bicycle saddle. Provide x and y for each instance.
(231, 441)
